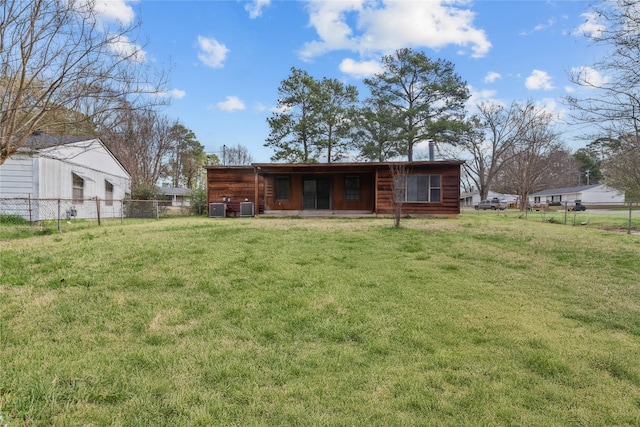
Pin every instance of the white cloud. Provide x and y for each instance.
(255, 7)
(591, 27)
(539, 80)
(212, 53)
(479, 96)
(550, 23)
(126, 49)
(590, 77)
(173, 93)
(387, 25)
(492, 76)
(114, 10)
(360, 70)
(231, 103)
(550, 106)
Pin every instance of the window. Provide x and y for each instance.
(78, 188)
(108, 193)
(352, 188)
(282, 188)
(419, 188)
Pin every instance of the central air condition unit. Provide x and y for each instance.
(217, 210)
(246, 209)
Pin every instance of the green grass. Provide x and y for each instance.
(482, 320)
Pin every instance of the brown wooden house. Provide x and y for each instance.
(430, 188)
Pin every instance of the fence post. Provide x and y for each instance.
(629, 222)
(566, 208)
(122, 211)
(98, 209)
(155, 202)
(30, 214)
(58, 215)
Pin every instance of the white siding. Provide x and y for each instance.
(16, 177)
(602, 194)
(48, 175)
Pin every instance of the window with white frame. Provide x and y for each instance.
(78, 188)
(108, 193)
(419, 188)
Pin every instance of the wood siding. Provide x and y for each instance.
(239, 184)
(235, 183)
(450, 193)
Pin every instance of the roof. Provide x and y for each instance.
(173, 191)
(565, 190)
(40, 141)
(332, 167)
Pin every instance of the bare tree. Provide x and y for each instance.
(493, 132)
(399, 173)
(64, 68)
(237, 156)
(611, 96)
(529, 153)
(144, 142)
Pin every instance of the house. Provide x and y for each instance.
(78, 175)
(595, 194)
(473, 198)
(430, 188)
(175, 196)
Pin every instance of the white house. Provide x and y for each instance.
(473, 198)
(176, 195)
(595, 194)
(79, 174)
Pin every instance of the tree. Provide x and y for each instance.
(374, 132)
(334, 106)
(427, 97)
(64, 69)
(612, 100)
(488, 141)
(294, 127)
(621, 168)
(237, 156)
(589, 166)
(188, 157)
(563, 169)
(529, 154)
(144, 142)
(399, 172)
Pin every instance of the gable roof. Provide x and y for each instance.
(173, 191)
(40, 141)
(565, 190)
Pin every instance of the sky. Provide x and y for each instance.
(227, 58)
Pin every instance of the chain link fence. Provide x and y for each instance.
(34, 212)
(611, 216)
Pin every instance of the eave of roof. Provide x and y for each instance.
(333, 167)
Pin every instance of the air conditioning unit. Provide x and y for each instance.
(217, 210)
(246, 209)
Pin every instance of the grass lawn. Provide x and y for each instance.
(481, 320)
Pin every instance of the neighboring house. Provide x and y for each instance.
(595, 194)
(81, 173)
(473, 198)
(175, 196)
(432, 188)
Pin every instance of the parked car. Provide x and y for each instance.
(578, 207)
(492, 204)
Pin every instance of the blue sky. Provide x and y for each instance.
(227, 58)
